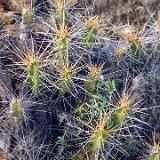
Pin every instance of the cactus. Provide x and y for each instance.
(134, 46)
(62, 43)
(121, 112)
(34, 78)
(61, 14)
(132, 35)
(99, 135)
(27, 15)
(16, 109)
(91, 33)
(97, 126)
(94, 76)
(154, 156)
(81, 111)
(99, 138)
(65, 83)
(155, 148)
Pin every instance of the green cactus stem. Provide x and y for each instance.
(65, 80)
(99, 138)
(121, 113)
(27, 15)
(62, 43)
(61, 14)
(134, 46)
(16, 109)
(35, 79)
(94, 77)
(154, 156)
(91, 33)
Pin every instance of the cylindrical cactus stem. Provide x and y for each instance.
(91, 32)
(134, 42)
(98, 141)
(16, 109)
(27, 15)
(94, 77)
(132, 35)
(61, 14)
(134, 47)
(35, 78)
(122, 112)
(154, 156)
(155, 153)
(65, 80)
(99, 138)
(62, 43)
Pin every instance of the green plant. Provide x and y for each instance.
(134, 46)
(110, 85)
(91, 32)
(27, 15)
(61, 14)
(154, 148)
(94, 77)
(104, 118)
(65, 81)
(35, 78)
(132, 35)
(62, 43)
(99, 117)
(122, 111)
(62, 140)
(31, 64)
(99, 138)
(82, 111)
(16, 109)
